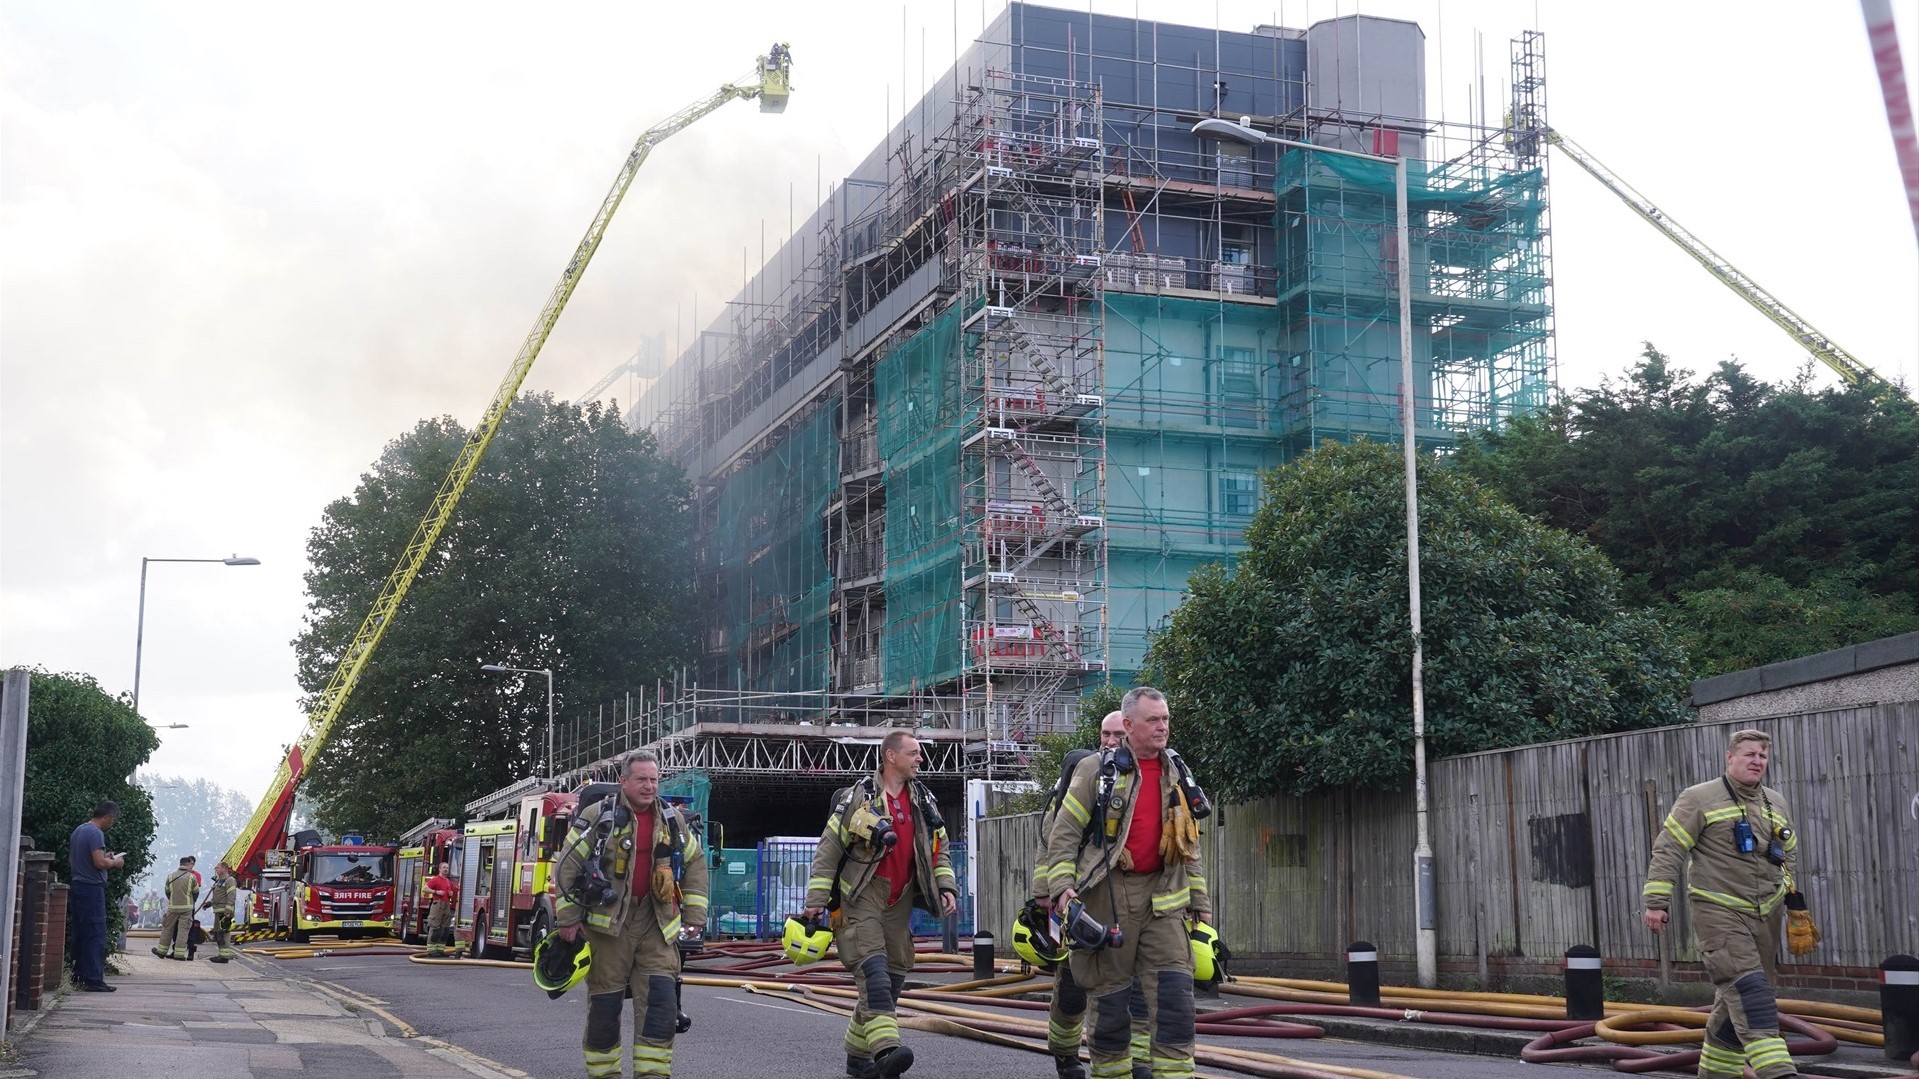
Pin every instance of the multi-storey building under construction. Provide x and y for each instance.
(958, 446)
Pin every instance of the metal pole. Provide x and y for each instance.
(549, 721)
(1425, 901)
(13, 778)
(139, 636)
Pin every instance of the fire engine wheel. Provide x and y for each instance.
(298, 936)
(542, 925)
(482, 947)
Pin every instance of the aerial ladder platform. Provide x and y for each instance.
(769, 84)
(1850, 369)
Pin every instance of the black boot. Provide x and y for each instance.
(892, 1062)
(859, 1067)
(1069, 1067)
(1142, 1071)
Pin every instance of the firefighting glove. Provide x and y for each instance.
(1179, 838)
(1802, 933)
(665, 888)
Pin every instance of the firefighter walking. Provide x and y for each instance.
(220, 901)
(882, 853)
(631, 875)
(1066, 1014)
(441, 893)
(1124, 856)
(1737, 835)
(183, 892)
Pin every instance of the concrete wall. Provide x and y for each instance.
(1885, 671)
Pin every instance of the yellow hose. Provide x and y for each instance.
(1617, 1028)
(425, 962)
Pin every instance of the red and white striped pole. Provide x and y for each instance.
(1884, 39)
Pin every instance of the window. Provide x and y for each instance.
(1238, 493)
(1236, 388)
(1235, 164)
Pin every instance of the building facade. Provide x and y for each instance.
(961, 441)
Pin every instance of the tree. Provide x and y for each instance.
(569, 550)
(1291, 672)
(1689, 484)
(82, 744)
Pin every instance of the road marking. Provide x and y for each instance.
(778, 1007)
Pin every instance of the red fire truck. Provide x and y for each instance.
(505, 863)
(423, 848)
(344, 889)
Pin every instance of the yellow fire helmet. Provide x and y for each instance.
(1206, 949)
(805, 940)
(560, 964)
(1034, 940)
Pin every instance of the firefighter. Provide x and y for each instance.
(220, 900)
(1736, 835)
(634, 873)
(182, 893)
(441, 893)
(1124, 851)
(882, 853)
(1066, 1015)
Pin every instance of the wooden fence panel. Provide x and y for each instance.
(1543, 847)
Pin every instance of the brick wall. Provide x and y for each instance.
(39, 931)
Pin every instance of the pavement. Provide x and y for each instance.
(238, 1020)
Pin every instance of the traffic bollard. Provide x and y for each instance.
(1899, 1005)
(1585, 983)
(982, 956)
(1362, 974)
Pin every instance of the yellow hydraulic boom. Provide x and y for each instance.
(769, 83)
(1848, 367)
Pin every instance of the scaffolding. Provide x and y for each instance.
(958, 454)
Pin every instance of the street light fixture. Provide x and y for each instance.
(548, 671)
(140, 631)
(1425, 901)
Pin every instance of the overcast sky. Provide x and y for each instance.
(243, 246)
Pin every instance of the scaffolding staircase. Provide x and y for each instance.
(1029, 231)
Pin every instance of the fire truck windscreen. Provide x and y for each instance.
(352, 869)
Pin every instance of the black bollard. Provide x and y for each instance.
(1362, 974)
(1585, 983)
(982, 956)
(1899, 1004)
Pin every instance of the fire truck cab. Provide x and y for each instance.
(344, 889)
(505, 864)
(423, 848)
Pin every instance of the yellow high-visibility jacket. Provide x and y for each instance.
(1077, 858)
(620, 867)
(932, 862)
(1698, 835)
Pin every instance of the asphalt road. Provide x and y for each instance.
(498, 1014)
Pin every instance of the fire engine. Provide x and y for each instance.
(505, 867)
(422, 848)
(345, 889)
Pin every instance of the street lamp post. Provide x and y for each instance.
(1425, 897)
(140, 629)
(548, 671)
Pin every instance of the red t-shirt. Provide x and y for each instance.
(1142, 834)
(896, 865)
(642, 853)
(441, 888)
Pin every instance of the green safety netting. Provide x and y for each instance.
(770, 552)
(1479, 273)
(1195, 408)
(921, 407)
